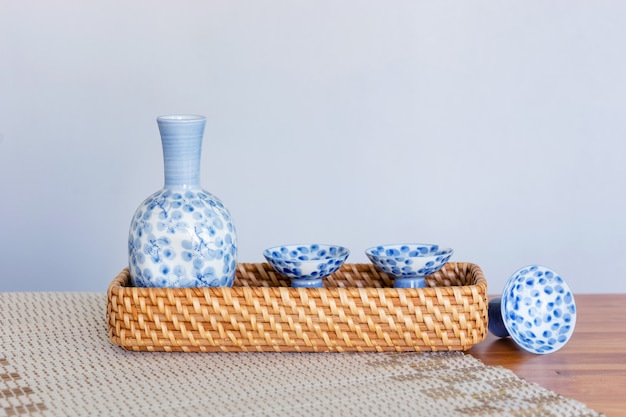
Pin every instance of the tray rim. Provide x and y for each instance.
(121, 283)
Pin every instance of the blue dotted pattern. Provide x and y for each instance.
(409, 260)
(306, 262)
(538, 309)
(182, 238)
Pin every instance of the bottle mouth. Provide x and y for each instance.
(181, 118)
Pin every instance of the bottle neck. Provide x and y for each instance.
(181, 138)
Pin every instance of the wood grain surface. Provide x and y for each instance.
(590, 368)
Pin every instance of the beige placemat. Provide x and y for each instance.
(56, 360)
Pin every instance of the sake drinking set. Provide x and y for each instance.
(182, 236)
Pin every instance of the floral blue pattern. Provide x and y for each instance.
(306, 265)
(538, 309)
(182, 235)
(410, 263)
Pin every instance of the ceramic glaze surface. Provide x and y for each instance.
(182, 235)
(409, 260)
(306, 265)
(538, 309)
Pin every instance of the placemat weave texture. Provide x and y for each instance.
(56, 360)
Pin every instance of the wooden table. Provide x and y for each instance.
(591, 367)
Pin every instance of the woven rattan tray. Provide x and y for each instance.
(358, 310)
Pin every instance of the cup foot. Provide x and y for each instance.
(307, 283)
(496, 324)
(414, 282)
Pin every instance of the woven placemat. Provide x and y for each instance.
(56, 360)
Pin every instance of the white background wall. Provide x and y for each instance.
(494, 127)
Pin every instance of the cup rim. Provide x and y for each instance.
(343, 251)
(441, 250)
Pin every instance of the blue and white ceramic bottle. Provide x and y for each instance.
(182, 235)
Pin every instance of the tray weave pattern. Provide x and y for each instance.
(357, 310)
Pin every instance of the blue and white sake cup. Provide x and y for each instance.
(537, 310)
(409, 263)
(306, 265)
